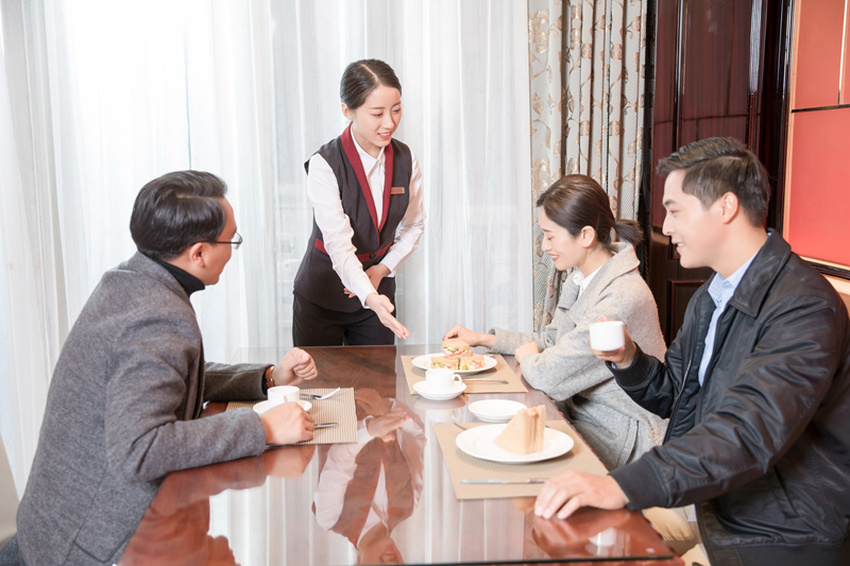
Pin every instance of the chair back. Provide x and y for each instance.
(8, 498)
(846, 299)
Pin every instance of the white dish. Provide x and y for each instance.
(264, 406)
(424, 362)
(478, 443)
(421, 387)
(495, 410)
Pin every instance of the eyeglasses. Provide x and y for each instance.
(235, 243)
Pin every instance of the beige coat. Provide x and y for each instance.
(614, 426)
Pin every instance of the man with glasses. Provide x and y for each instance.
(126, 396)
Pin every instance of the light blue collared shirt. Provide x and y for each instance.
(721, 291)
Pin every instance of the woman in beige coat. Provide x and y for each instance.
(578, 225)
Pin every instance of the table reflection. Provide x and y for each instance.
(175, 527)
(386, 499)
(367, 488)
(591, 533)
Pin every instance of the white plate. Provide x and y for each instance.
(264, 406)
(478, 442)
(424, 362)
(421, 387)
(495, 410)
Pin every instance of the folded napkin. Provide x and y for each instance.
(338, 408)
(502, 370)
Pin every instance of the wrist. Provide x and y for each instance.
(370, 300)
(268, 378)
(488, 341)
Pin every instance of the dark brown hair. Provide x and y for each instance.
(576, 201)
(715, 166)
(362, 77)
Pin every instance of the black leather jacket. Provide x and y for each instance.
(763, 446)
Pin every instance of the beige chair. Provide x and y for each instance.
(696, 556)
(8, 498)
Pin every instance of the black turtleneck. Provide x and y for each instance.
(189, 282)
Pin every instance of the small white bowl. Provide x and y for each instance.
(495, 410)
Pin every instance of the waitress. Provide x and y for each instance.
(366, 192)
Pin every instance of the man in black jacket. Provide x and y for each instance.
(755, 384)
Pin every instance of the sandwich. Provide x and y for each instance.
(475, 361)
(444, 362)
(455, 348)
(524, 432)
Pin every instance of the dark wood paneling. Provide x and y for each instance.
(680, 293)
(718, 68)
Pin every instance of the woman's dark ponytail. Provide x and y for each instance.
(576, 201)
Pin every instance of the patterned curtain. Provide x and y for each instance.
(586, 62)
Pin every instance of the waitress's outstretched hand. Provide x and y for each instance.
(383, 307)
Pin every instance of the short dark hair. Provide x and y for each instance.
(576, 201)
(715, 166)
(176, 210)
(362, 77)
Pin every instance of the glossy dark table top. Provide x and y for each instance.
(385, 500)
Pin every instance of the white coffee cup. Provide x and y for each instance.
(607, 335)
(283, 394)
(441, 379)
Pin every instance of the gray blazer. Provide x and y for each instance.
(616, 427)
(122, 412)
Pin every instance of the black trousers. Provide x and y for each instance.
(313, 325)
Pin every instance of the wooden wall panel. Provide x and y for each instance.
(718, 71)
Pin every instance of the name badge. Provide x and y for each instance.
(397, 191)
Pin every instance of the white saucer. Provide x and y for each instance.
(264, 406)
(421, 387)
(495, 410)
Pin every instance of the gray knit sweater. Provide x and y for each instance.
(565, 369)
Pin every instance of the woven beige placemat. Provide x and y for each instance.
(463, 466)
(338, 409)
(501, 371)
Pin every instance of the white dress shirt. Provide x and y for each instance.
(582, 281)
(721, 291)
(323, 192)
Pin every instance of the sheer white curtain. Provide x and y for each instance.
(463, 66)
(99, 97)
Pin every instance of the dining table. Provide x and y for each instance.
(389, 492)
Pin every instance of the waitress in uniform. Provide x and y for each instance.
(366, 192)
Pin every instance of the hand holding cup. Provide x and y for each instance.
(607, 335)
(610, 342)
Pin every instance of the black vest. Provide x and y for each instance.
(316, 280)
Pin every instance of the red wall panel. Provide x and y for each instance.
(818, 203)
(817, 66)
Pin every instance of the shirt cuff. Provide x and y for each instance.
(635, 373)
